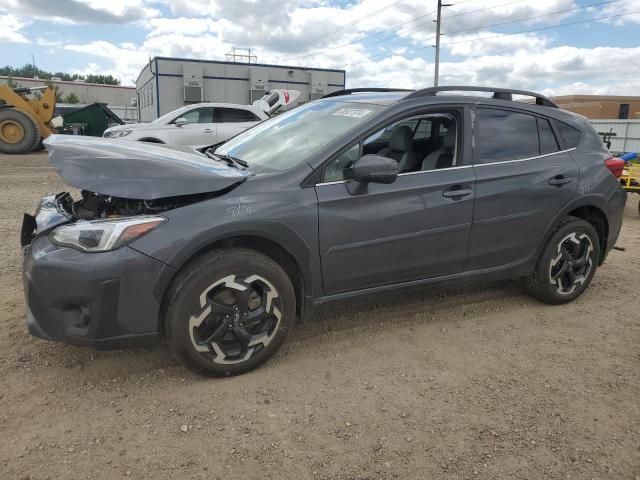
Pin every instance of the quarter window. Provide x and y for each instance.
(504, 135)
(548, 142)
(570, 135)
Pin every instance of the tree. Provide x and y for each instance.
(71, 98)
(28, 71)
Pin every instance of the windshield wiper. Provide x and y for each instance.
(233, 161)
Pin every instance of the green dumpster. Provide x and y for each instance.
(91, 120)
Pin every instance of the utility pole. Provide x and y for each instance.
(438, 23)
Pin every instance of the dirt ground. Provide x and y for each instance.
(480, 384)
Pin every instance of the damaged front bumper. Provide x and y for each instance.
(49, 214)
(101, 300)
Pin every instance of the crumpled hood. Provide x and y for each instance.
(137, 170)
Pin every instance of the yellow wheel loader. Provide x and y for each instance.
(24, 121)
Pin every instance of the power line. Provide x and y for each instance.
(533, 17)
(384, 55)
(414, 27)
(503, 23)
(350, 24)
(443, 18)
(428, 14)
(546, 28)
(375, 35)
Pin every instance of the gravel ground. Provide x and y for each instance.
(481, 384)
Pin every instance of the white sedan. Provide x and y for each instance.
(203, 124)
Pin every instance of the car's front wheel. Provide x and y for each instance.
(229, 311)
(567, 263)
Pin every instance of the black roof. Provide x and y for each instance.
(387, 96)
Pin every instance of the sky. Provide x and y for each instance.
(552, 46)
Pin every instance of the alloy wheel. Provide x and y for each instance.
(239, 317)
(571, 265)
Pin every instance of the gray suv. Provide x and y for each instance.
(363, 191)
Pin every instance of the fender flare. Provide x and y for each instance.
(592, 200)
(275, 232)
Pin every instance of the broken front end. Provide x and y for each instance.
(84, 281)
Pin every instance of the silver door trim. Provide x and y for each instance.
(524, 159)
(402, 174)
(464, 166)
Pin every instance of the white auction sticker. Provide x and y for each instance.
(352, 112)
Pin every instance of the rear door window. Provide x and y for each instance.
(506, 135)
(235, 115)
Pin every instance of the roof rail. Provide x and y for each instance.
(498, 93)
(350, 91)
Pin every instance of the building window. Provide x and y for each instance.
(623, 111)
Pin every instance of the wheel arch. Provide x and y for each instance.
(591, 209)
(150, 140)
(285, 254)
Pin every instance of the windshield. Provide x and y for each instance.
(285, 141)
(165, 118)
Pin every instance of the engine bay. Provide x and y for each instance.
(94, 206)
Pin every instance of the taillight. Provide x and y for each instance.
(615, 166)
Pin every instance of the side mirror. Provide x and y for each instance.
(180, 122)
(372, 169)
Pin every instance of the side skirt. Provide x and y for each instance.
(454, 280)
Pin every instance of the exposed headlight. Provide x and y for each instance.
(104, 235)
(117, 133)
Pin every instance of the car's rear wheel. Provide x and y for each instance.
(229, 311)
(567, 263)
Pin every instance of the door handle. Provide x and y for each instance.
(559, 180)
(208, 130)
(457, 191)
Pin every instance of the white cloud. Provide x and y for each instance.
(630, 8)
(551, 70)
(486, 43)
(11, 26)
(124, 62)
(304, 33)
(82, 11)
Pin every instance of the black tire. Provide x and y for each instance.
(31, 131)
(38, 147)
(187, 319)
(547, 283)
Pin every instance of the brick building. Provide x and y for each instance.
(601, 106)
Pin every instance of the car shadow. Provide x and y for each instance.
(384, 309)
